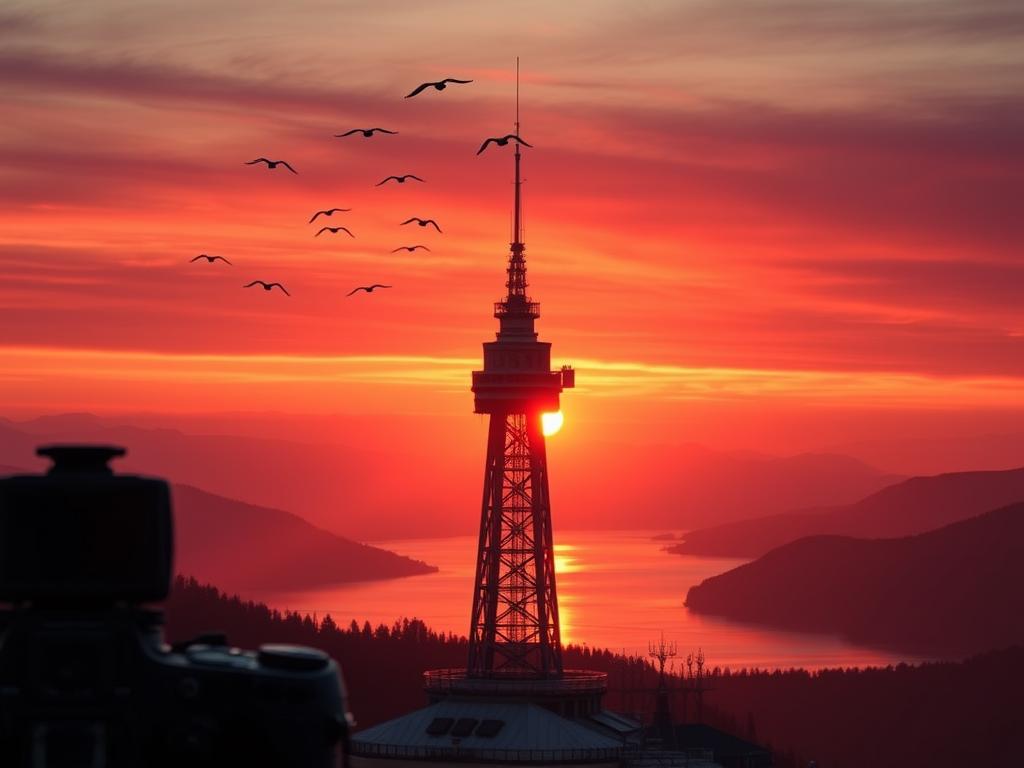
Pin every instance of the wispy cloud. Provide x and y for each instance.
(597, 378)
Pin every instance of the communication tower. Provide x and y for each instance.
(514, 627)
(514, 703)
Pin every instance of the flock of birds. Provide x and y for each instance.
(271, 165)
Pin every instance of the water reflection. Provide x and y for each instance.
(616, 590)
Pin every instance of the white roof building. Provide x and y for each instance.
(466, 730)
(476, 732)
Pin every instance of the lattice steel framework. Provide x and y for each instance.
(515, 606)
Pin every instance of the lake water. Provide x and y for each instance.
(616, 590)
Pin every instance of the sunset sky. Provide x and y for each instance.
(771, 225)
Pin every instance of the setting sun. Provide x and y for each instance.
(551, 422)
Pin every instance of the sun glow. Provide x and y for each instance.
(566, 559)
(551, 422)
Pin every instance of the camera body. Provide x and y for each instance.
(86, 679)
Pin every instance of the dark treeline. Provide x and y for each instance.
(936, 714)
(383, 665)
(942, 714)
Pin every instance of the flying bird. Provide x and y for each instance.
(271, 164)
(421, 222)
(367, 288)
(367, 132)
(210, 259)
(501, 141)
(409, 248)
(440, 85)
(333, 231)
(267, 286)
(399, 179)
(328, 212)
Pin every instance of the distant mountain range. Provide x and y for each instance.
(959, 451)
(354, 491)
(331, 485)
(245, 547)
(952, 591)
(687, 486)
(912, 506)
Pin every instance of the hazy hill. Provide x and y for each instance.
(351, 490)
(912, 506)
(245, 546)
(952, 591)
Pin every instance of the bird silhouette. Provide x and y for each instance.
(272, 164)
(267, 286)
(210, 259)
(422, 222)
(501, 141)
(367, 132)
(333, 231)
(409, 248)
(328, 212)
(440, 85)
(367, 288)
(399, 179)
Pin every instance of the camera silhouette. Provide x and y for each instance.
(86, 679)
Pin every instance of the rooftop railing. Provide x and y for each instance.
(504, 378)
(455, 752)
(529, 308)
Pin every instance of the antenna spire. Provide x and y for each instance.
(517, 231)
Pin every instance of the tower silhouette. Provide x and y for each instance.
(514, 629)
(513, 703)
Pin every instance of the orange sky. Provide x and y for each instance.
(771, 225)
